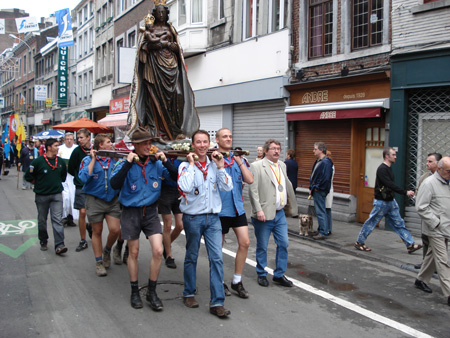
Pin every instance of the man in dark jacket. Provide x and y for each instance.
(384, 205)
(319, 187)
(25, 159)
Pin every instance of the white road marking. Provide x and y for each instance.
(346, 304)
(341, 302)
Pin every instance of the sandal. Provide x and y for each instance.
(362, 247)
(414, 247)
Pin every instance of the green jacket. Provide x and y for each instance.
(46, 180)
(74, 164)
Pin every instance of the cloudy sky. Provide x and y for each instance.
(40, 8)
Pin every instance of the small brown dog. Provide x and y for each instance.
(306, 224)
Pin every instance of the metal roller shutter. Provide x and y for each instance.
(210, 120)
(254, 123)
(336, 134)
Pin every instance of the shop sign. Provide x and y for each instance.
(62, 77)
(119, 105)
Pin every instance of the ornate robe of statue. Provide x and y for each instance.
(161, 96)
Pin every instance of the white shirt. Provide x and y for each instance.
(279, 206)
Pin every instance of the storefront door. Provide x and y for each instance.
(371, 137)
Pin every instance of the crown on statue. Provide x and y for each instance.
(160, 2)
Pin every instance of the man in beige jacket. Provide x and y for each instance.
(269, 194)
(432, 205)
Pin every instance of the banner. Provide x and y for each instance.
(62, 76)
(27, 24)
(65, 33)
(13, 124)
(40, 92)
(5, 140)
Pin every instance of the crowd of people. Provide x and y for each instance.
(205, 195)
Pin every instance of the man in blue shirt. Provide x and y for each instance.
(319, 187)
(140, 186)
(233, 212)
(102, 201)
(199, 182)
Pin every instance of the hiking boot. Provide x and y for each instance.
(219, 311)
(135, 300)
(170, 263)
(44, 246)
(239, 288)
(125, 255)
(100, 269)
(64, 221)
(117, 255)
(106, 258)
(83, 245)
(190, 302)
(152, 297)
(226, 290)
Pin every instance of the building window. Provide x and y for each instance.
(278, 10)
(264, 16)
(221, 10)
(132, 39)
(197, 10)
(367, 23)
(181, 12)
(250, 17)
(24, 64)
(320, 28)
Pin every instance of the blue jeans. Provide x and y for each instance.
(390, 210)
(54, 203)
(277, 226)
(321, 213)
(208, 226)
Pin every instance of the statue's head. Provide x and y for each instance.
(161, 13)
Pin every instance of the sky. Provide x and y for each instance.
(40, 8)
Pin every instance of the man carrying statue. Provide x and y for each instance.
(161, 96)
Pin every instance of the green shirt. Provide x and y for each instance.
(47, 181)
(74, 164)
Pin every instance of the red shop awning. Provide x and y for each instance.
(337, 110)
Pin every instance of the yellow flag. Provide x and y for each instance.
(20, 136)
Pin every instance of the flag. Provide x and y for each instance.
(13, 124)
(20, 137)
(5, 140)
(65, 33)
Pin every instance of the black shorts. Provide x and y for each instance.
(80, 199)
(168, 201)
(233, 222)
(133, 220)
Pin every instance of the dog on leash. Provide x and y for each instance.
(306, 224)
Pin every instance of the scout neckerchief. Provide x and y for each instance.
(143, 168)
(200, 167)
(229, 164)
(86, 151)
(105, 168)
(51, 166)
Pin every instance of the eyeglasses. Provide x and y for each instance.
(275, 148)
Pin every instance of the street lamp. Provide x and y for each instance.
(15, 37)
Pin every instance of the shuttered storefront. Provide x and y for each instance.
(254, 123)
(210, 120)
(336, 134)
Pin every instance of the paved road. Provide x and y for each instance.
(335, 294)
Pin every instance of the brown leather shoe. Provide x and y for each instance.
(190, 302)
(319, 237)
(219, 311)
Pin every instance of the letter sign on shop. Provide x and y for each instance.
(62, 77)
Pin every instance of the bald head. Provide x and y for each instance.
(444, 168)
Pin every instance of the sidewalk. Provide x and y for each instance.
(387, 247)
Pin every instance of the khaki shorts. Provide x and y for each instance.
(97, 209)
